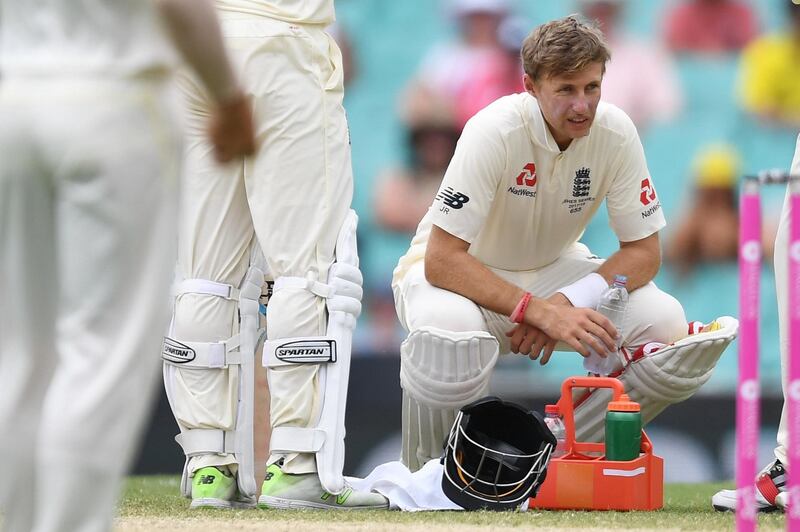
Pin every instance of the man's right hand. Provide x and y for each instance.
(576, 327)
(230, 129)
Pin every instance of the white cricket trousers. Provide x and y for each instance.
(652, 316)
(781, 263)
(87, 236)
(291, 198)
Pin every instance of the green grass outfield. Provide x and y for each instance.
(154, 503)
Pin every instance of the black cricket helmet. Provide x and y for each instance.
(496, 455)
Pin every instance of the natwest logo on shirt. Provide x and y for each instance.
(648, 192)
(527, 177)
(452, 199)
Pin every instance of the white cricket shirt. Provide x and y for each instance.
(82, 37)
(298, 11)
(521, 202)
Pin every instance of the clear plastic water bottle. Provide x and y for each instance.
(552, 418)
(613, 305)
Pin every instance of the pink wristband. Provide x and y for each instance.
(519, 311)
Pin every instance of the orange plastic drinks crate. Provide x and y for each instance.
(577, 481)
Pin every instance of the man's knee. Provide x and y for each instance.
(671, 325)
(655, 316)
(456, 318)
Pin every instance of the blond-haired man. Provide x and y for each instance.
(497, 266)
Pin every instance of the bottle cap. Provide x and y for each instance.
(621, 279)
(624, 405)
(551, 409)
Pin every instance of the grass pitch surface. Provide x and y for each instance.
(154, 503)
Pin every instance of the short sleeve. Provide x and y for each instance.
(470, 183)
(634, 209)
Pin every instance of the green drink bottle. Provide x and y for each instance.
(623, 429)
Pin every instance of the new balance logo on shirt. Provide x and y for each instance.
(452, 199)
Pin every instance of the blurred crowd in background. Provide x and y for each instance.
(712, 85)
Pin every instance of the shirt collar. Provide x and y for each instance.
(537, 128)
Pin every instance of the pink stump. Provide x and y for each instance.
(748, 392)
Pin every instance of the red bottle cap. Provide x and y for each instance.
(551, 409)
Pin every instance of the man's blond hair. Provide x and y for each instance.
(563, 46)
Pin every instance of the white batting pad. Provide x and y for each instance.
(342, 292)
(440, 371)
(239, 350)
(667, 376)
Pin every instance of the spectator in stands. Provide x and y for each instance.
(710, 26)
(491, 80)
(448, 68)
(640, 78)
(403, 195)
(709, 231)
(770, 74)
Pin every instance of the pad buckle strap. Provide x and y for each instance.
(296, 440)
(207, 355)
(209, 288)
(207, 441)
(309, 282)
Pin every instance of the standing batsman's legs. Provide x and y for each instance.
(299, 189)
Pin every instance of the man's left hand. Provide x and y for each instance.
(526, 339)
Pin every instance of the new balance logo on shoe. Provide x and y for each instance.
(341, 498)
(207, 479)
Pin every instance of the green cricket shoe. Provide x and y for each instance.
(215, 487)
(287, 491)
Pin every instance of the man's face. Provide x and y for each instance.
(568, 101)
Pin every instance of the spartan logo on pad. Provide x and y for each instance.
(451, 198)
(176, 352)
(580, 187)
(307, 351)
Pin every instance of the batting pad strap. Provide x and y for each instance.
(309, 282)
(209, 288)
(299, 350)
(206, 355)
(296, 440)
(207, 441)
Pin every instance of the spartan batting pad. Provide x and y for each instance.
(238, 350)
(668, 376)
(440, 371)
(342, 294)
